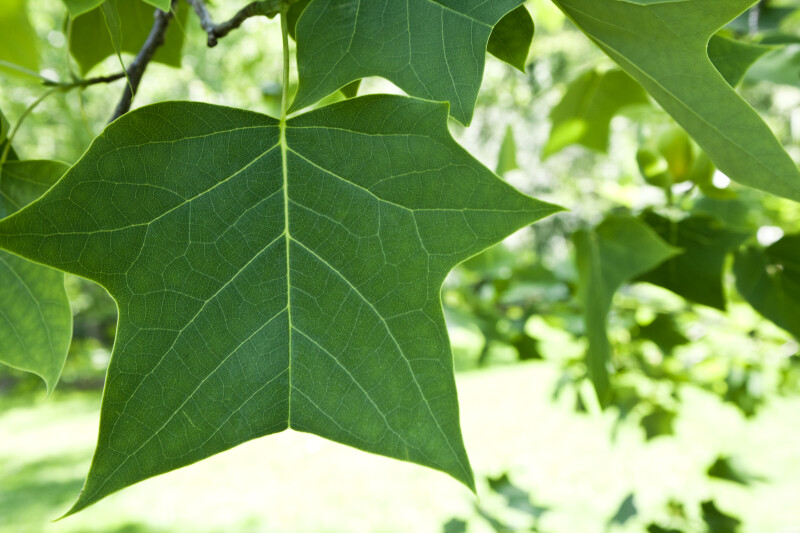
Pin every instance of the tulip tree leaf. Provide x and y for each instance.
(734, 58)
(696, 274)
(511, 38)
(90, 42)
(265, 284)
(584, 114)
(676, 70)
(35, 316)
(619, 249)
(433, 49)
(769, 280)
(19, 43)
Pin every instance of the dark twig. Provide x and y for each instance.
(139, 64)
(80, 83)
(265, 8)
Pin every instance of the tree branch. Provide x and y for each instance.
(139, 64)
(80, 83)
(264, 8)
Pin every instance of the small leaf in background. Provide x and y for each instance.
(79, 7)
(90, 43)
(512, 37)
(619, 249)
(781, 67)
(676, 70)
(35, 315)
(516, 498)
(655, 528)
(696, 274)
(769, 279)
(733, 58)
(455, 525)
(717, 521)
(664, 332)
(627, 510)
(658, 422)
(507, 158)
(495, 523)
(744, 388)
(302, 271)
(584, 114)
(437, 51)
(19, 43)
(729, 469)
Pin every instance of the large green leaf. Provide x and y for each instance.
(769, 279)
(90, 40)
(265, 284)
(584, 114)
(511, 38)
(696, 274)
(432, 49)
(35, 316)
(19, 43)
(619, 249)
(676, 70)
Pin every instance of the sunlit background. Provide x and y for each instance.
(703, 433)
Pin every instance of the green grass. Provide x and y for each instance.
(297, 483)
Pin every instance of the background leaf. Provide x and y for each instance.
(619, 249)
(19, 43)
(732, 58)
(769, 279)
(90, 42)
(258, 293)
(507, 158)
(696, 274)
(35, 315)
(676, 70)
(437, 49)
(584, 114)
(79, 7)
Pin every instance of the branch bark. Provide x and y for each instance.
(137, 67)
(264, 8)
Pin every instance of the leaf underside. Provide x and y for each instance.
(433, 49)
(663, 45)
(264, 284)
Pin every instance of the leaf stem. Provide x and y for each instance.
(285, 80)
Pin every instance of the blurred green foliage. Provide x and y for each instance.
(572, 129)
